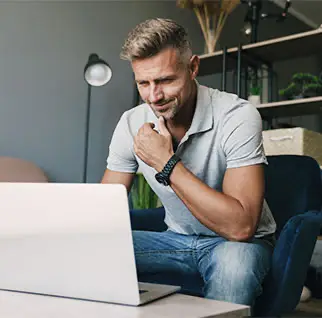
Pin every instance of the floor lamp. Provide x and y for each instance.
(96, 73)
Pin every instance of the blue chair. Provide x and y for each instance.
(294, 194)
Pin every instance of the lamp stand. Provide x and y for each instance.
(86, 139)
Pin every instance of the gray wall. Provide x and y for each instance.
(44, 47)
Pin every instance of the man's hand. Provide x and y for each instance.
(153, 148)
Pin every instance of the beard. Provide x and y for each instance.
(170, 110)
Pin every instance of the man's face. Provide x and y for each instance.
(163, 82)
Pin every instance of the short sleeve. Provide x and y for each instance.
(242, 139)
(121, 153)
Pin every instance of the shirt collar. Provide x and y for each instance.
(203, 117)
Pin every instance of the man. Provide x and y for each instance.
(201, 151)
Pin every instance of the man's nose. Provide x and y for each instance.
(155, 94)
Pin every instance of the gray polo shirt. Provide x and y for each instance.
(226, 132)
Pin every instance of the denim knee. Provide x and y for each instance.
(235, 272)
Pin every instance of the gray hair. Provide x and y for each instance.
(152, 36)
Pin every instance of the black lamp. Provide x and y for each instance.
(254, 15)
(97, 72)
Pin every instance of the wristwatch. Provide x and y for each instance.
(163, 176)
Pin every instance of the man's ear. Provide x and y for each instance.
(194, 66)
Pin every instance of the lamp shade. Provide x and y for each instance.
(97, 72)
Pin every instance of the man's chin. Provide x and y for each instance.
(165, 114)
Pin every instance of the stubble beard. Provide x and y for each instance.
(169, 113)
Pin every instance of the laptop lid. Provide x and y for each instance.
(71, 240)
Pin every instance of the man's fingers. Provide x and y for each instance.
(162, 127)
(146, 128)
(149, 125)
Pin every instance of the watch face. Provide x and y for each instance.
(161, 179)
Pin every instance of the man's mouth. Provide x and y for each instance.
(162, 105)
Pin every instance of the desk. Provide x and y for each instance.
(16, 305)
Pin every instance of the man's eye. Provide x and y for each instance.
(164, 81)
(143, 84)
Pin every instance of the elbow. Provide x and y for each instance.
(245, 229)
(242, 235)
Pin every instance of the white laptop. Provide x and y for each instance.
(70, 240)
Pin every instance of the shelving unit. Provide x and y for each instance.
(283, 48)
(264, 54)
(296, 107)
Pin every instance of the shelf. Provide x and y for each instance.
(288, 47)
(279, 49)
(296, 107)
(213, 62)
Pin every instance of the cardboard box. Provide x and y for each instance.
(293, 141)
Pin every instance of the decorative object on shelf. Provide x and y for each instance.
(303, 85)
(96, 73)
(255, 94)
(255, 98)
(211, 16)
(255, 89)
(141, 195)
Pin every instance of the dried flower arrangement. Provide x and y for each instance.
(211, 15)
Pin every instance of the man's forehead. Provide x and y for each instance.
(164, 58)
(152, 70)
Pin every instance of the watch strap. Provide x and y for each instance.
(167, 169)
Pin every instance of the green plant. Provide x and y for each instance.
(290, 91)
(311, 89)
(302, 85)
(305, 78)
(142, 196)
(255, 90)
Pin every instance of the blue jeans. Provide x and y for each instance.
(231, 271)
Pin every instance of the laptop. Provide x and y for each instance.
(71, 240)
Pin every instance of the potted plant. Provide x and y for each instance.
(141, 195)
(303, 85)
(292, 91)
(255, 89)
(255, 95)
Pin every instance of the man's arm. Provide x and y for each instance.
(124, 178)
(121, 156)
(233, 213)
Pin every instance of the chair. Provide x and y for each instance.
(20, 170)
(294, 194)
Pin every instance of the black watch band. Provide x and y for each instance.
(163, 176)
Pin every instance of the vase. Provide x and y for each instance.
(212, 43)
(255, 100)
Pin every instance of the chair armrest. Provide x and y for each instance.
(148, 220)
(290, 262)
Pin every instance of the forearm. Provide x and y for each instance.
(124, 178)
(219, 212)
